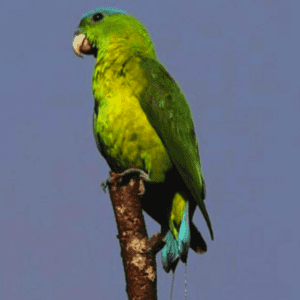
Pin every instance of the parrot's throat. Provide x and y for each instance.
(118, 51)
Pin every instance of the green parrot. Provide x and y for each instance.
(143, 121)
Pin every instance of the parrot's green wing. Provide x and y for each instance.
(168, 112)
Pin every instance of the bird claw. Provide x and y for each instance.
(105, 184)
(142, 177)
(128, 174)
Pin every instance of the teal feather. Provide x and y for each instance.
(176, 249)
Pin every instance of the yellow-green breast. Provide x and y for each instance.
(126, 138)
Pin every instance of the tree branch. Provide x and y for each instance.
(137, 251)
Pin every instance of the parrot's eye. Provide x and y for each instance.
(97, 17)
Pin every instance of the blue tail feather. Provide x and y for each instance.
(177, 248)
(184, 235)
(170, 253)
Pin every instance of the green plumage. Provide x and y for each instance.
(142, 120)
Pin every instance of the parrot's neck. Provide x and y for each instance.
(109, 74)
(118, 50)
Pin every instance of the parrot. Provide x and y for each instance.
(142, 121)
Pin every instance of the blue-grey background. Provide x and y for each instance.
(238, 64)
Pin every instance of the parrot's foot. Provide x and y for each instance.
(126, 176)
(105, 184)
(133, 172)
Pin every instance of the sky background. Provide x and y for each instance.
(238, 65)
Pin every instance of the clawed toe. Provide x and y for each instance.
(126, 176)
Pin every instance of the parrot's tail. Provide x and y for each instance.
(176, 249)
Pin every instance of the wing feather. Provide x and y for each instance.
(169, 113)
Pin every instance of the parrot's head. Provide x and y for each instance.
(108, 29)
